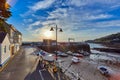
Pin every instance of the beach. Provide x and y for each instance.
(85, 70)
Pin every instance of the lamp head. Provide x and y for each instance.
(61, 30)
(51, 29)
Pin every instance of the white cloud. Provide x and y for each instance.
(80, 3)
(32, 25)
(113, 23)
(27, 20)
(38, 6)
(41, 5)
(99, 16)
(115, 6)
(74, 21)
(58, 13)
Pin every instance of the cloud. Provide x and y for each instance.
(82, 17)
(33, 25)
(27, 20)
(99, 16)
(80, 3)
(105, 24)
(41, 5)
(115, 6)
(58, 13)
(38, 6)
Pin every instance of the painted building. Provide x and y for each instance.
(10, 41)
(4, 48)
(15, 38)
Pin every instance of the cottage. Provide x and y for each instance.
(14, 36)
(4, 48)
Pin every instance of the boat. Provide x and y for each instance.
(61, 54)
(77, 55)
(75, 60)
(85, 53)
(69, 52)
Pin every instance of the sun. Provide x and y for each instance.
(48, 34)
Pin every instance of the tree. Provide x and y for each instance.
(4, 10)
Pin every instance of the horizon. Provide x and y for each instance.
(81, 20)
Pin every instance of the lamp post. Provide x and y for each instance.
(56, 28)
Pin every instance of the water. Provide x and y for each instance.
(97, 55)
(93, 45)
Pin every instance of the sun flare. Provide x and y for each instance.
(48, 34)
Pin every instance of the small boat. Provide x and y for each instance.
(69, 52)
(86, 53)
(63, 55)
(77, 55)
(75, 60)
(59, 53)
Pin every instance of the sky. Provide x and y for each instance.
(79, 19)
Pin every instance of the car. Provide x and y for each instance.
(104, 70)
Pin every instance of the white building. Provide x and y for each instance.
(4, 48)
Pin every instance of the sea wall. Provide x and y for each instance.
(65, 48)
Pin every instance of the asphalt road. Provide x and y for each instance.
(20, 66)
(39, 73)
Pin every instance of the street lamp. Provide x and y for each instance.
(60, 30)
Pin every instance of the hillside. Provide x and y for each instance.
(109, 38)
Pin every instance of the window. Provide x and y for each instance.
(9, 47)
(5, 49)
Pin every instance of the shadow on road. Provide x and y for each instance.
(35, 75)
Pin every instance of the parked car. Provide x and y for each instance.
(104, 70)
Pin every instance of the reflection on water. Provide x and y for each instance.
(92, 45)
(105, 58)
(102, 56)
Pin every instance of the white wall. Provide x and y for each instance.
(5, 55)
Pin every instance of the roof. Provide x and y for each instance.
(2, 36)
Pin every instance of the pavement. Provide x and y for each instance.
(39, 73)
(20, 66)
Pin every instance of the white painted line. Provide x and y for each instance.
(41, 74)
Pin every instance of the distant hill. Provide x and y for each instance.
(109, 38)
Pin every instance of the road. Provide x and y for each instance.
(39, 73)
(20, 66)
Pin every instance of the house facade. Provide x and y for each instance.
(4, 48)
(15, 38)
(10, 43)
